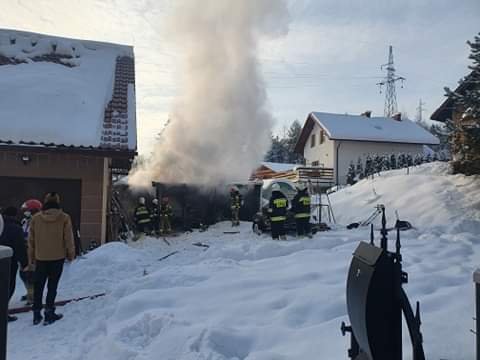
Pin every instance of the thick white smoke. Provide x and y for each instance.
(220, 125)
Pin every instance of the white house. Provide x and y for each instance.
(334, 140)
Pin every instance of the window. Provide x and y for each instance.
(322, 137)
(316, 163)
(312, 141)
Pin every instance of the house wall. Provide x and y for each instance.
(92, 171)
(351, 150)
(323, 153)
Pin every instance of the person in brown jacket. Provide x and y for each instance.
(50, 242)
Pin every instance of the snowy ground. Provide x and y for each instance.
(248, 297)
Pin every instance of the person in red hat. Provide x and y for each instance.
(29, 208)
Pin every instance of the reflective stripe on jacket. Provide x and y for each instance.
(301, 205)
(278, 207)
(142, 215)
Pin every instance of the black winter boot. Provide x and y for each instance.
(37, 317)
(51, 317)
(11, 318)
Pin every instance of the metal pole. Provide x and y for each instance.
(5, 255)
(476, 280)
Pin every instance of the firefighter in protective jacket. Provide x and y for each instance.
(166, 213)
(301, 208)
(155, 215)
(142, 217)
(236, 203)
(278, 212)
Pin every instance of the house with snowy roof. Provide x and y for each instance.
(335, 140)
(67, 123)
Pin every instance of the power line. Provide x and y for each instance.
(389, 82)
(420, 110)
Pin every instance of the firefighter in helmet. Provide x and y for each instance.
(142, 217)
(278, 212)
(301, 209)
(166, 213)
(236, 203)
(155, 215)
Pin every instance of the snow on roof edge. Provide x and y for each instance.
(432, 141)
(85, 42)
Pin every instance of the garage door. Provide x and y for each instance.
(15, 190)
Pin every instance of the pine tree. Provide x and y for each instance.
(465, 137)
(385, 162)
(278, 152)
(402, 161)
(291, 140)
(351, 174)
(368, 166)
(417, 160)
(359, 169)
(378, 164)
(409, 159)
(393, 161)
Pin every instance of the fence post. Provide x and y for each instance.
(476, 280)
(5, 255)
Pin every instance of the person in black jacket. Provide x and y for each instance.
(301, 209)
(155, 216)
(278, 212)
(12, 236)
(142, 217)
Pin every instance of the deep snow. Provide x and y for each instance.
(248, 297)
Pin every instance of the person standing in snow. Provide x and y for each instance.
(236, 203)
(301, 208)
(50, 241)
(142, 217)
(155, 215)
(166, 213)
(29, 208)
(12, 236)
(278, 212)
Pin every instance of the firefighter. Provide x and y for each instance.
(278, 212)
(301, 209)
(155, 215)
(142, 217)
(236, 203)
(166, 213)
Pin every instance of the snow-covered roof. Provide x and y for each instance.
(59, 91)
(279, 167)
(379, 129)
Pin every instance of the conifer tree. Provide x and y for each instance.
(465, 134)
(359, 170)
(351, 174)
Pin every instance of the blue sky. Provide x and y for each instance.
(329, 60)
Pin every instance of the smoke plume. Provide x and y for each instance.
(219, 128)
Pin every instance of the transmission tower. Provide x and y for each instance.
(389, 82)
(420, 110)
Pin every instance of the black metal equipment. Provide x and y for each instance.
(5, 255)
(476, 280)
(376, 300)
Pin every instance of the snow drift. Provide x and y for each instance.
(248, 297)
(220, 125)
